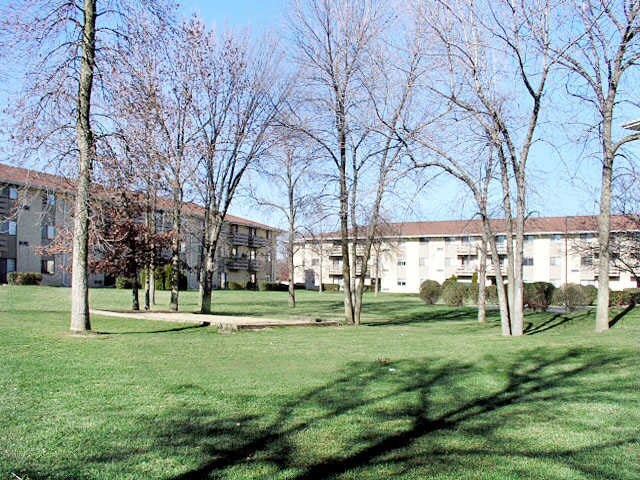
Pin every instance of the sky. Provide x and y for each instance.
(563, 180)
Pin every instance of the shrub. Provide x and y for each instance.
(164, 274)
(625, 297)
(491, 292)
(430, 291)
(451, 279)
(125, 283)
(631, 295)
(330, 287)
(272, 287)
(24, 278)
(235, 286)
(569, 295)
(454, 293)
(590, 294)
(251, 286)
(472, 289)
(538, 295)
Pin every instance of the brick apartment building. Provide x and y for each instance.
(35, 205)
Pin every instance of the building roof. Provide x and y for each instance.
(533, 225)
(33, 178)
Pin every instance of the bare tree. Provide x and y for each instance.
(287, 171)
(481, 42)
(353, 103)
(234, 106)
(605, 51)
(62, 45)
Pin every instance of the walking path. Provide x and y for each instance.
(221, 321)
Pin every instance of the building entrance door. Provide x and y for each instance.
(3, 270)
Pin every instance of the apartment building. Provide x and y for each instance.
(556, 249)
(35, 206)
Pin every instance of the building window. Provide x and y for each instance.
(9, 227)
(315, 262)
(586, 261)
(554, 261)
(527, 261)
(13, 193)
(500, 238)
(51, 199)
(451, 239)
(11, 265)
(402, 282)
(424, 239)
(268, 234)
(422, 261)
(48, 267)
(529, 238)
(252, 278)
(586, 236)
(252, 254)
(556, 237)
(268, 256)
(252, 232)
(234, 251)
(48, 232)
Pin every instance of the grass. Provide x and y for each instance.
(417, 392)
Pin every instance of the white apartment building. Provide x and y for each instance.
(556, 250)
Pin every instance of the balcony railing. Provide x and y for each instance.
(338, 270)
(492, 271)
(241, 263)
(242, 239)
(467, 249)
(336, 250)
(466, 269)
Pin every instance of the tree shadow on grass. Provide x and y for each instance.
(620, 315)
(433, 314)
(391, 419)
(166, 330)
(554, 321)
(428, 418)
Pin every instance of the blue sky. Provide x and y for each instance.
(564, 180)
(256, 14)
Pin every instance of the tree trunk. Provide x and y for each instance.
(206, 288)
(604, 228)
(517, 318)
(503, 301)
(80, 321)
(175, 248)
(482, 276)
(290, 264)
(135, 297)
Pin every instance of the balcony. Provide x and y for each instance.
(466, 270)
(337, 270)
(492, 271)
(241, 263)
(244, 240)
(336, 250)
(467, 249)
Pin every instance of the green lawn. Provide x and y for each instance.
(417, 392)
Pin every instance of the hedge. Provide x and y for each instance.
(24, 278)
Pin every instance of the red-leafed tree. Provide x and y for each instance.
(123, 243)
